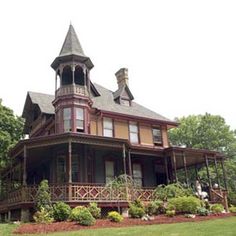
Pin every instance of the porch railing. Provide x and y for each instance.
(79, 193)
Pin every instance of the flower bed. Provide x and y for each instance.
(33, 228)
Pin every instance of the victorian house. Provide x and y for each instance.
(84, 135)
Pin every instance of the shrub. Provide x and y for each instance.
(232, 209)
(155, 208)
(136, 212)
(94, 210)
(43, 216)
(138, 203)
(61, 211)
(75, 212)
(184, 204)
(217, 208)
(114, 216)
(170, 213)
(202, 211)
(82, 216)
(43, 197)
(172, 191)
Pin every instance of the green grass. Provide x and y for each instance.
(218, 227)
(6, 229)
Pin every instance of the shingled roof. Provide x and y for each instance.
(104, 102)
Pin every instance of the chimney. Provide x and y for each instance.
(122, 77)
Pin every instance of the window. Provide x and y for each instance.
(61, 169)
(125, 102)
(137, 174)
(107, 127)
(109, 171)
(67, 119)
(157, 138)
(133, 132)
(79, 119)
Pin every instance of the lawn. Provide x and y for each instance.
(217, 227)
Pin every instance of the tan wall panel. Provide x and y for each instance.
(93, 127)
(99, 127)
(121, 129)
(165, 137)
(146, 135)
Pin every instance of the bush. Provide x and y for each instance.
(82, 216)
(61, 211)
(43, 197)
(94, 210)
(136, 212)
(172, 191)
(170, 213)
(202, 211)
(138, 203)
(232, 209)
(217, 208)
(155, 208)
(184, 204)
(114, 216)
(74, 216)
(43, 216)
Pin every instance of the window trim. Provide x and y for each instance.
(153, 137)
(138, 131)
(112, 127)
(83, 121)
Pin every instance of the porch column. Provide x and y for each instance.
(24, 166)
(124, 159)
(69, 172)
(175, 168)
(185, 168)
(166, 168)
(73, 74)
(207, 168)
(224, 174)
(130, 164)
(217, 173)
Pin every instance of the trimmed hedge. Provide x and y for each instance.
(61, 211)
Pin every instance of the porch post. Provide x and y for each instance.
(69, 171)
(24, 166)
(224, 174)
(166, 168)
(175, 168)
(185, 168)
(124, 159)
(217, 173)
(130, 165)
(207, 168)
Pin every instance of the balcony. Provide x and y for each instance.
(72, 89)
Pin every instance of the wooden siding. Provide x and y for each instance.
(121, 129)
(165, 137)
(145, 135)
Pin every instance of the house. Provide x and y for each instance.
(84, 135)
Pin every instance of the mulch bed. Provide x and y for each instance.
(33, 228)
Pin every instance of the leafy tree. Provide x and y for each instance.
(206, 132)
(11, 130)
(209, 132)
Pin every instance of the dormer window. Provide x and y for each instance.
(79, 113)
(125, 102)
(67, 119)
(157, 137)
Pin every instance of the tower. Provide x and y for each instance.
(72, 86)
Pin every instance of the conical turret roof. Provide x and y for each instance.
(71, 44)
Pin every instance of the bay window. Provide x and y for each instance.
(79, 122)
(67, 119)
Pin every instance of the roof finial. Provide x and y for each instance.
(70, 22)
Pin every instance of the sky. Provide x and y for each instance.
(181, 55)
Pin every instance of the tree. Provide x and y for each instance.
(11, 130)
(205, 132)
(209, 132)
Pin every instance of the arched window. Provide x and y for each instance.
(66, 75)
(79, 76)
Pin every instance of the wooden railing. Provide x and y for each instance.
(71, 89)
(219, 196)
(79, 193)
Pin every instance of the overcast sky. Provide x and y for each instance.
(181, 55)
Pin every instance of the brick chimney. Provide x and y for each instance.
(122, 77)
